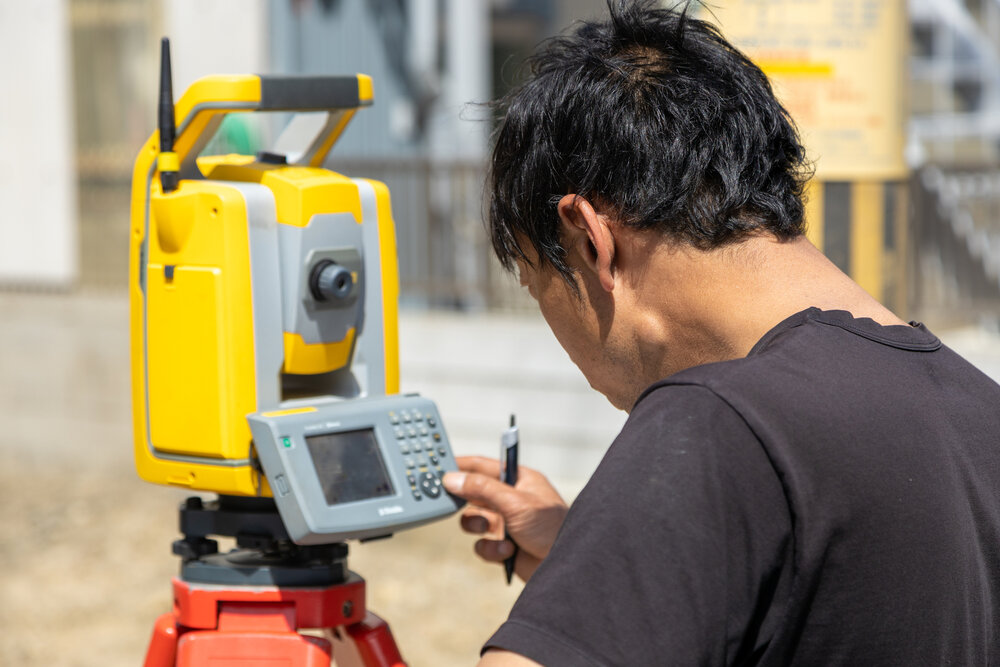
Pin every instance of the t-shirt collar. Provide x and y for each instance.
(914, 337)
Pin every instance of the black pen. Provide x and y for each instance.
(508, 475)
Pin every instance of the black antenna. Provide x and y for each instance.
(167, 160)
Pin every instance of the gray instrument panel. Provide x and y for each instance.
(356, 469)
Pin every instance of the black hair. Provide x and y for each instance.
(653, 117)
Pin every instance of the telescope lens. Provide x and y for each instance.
(330, 282)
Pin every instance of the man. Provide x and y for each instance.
(803, 478)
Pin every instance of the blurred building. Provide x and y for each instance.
(85, 72)
(433, 62)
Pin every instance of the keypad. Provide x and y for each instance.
(421, 445)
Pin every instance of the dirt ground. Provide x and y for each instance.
(87, 568)
(85, 561)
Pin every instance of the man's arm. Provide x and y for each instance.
(661, 558)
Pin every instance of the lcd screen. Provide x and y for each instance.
(349, 466)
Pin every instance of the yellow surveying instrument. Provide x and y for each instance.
(263, 293)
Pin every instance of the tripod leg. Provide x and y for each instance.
(374, 642)
(162, 649)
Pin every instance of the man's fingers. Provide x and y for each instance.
(479, 464)
(488, 492)
(494, 551)
(491, 468)
(478, 524)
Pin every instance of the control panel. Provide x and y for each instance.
(355, 469)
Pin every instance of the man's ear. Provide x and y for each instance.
(588, 232)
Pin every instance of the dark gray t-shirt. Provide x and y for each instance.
(831, 499)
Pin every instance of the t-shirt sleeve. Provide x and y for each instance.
(672, 553)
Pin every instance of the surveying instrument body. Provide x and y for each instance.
(263, 315)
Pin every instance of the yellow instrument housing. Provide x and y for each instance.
(223, 322)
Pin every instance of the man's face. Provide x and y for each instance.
(583, 325)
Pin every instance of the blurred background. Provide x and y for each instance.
(898, 101)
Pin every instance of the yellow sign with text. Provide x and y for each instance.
(838, 67)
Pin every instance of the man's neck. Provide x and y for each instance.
(715, 305)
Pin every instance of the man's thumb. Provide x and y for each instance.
(481, 490)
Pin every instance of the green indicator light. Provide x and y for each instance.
(287, 442)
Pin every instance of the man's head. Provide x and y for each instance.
(639, 147)
(654, 119)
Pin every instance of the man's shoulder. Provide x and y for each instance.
(682, 431)
(827, 354)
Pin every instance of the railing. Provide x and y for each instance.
(445, 259)
(956, 222)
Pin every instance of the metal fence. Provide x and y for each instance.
(445, 259)
(956, 228)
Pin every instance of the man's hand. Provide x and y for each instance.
(532, 510)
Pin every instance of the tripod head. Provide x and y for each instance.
(265, 554)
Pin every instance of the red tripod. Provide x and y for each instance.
(248, 624)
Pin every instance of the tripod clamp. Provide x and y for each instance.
(265, 555)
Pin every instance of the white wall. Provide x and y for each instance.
(215, 37)
(38, 219)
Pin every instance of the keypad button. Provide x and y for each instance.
(417, 496)
(431, 421)
(434, 459)
(409, 463)
(430, 485)
(404, 448)
(412, 480)
(393, 418)
(442, 451)
(423, 431)
(421, 463)
(400, 433)
(436, 436)
(417, 417)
